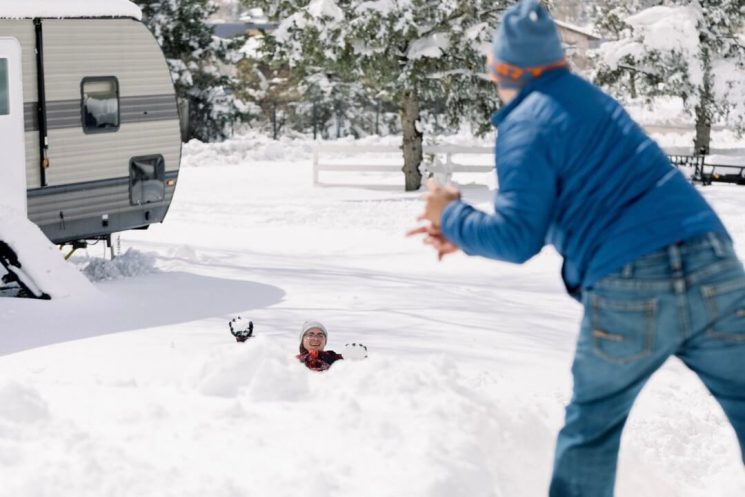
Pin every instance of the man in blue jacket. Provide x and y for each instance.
(648, 258)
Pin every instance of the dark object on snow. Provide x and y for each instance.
(708, 173)
(9, 260)
(241, 328)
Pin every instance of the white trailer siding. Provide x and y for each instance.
(122, 48)
(103, 47)
(107, 155)
(23, 31)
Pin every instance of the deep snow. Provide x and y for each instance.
(462, 395)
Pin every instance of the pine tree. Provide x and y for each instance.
(414, 51)
(687, 49)
(199, 64)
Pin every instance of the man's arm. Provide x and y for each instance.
(523, 206)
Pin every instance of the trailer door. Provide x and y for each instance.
(12, 145)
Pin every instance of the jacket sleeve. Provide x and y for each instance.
(523, 206)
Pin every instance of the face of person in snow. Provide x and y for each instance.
(314, 339)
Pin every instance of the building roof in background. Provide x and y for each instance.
(28, 9)
(233, 29)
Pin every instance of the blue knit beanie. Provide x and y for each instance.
(527, 39)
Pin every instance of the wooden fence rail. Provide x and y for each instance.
(439, 160)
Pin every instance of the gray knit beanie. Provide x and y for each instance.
(309, 325)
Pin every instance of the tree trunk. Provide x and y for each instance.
(412, 142)
(704, 110)
(703, 128)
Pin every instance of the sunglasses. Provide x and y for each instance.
(314, 335)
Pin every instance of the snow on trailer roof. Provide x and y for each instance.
(29, 9)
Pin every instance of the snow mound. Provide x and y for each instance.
(258, 368)
(131, 263)
(42, 267)
(383, 410)
(242, 150)
(21, 403)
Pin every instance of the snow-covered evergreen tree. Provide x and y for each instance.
(200, 64)
(414, 51)
(694, 50)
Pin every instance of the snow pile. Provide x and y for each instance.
(21, 404)
(131, 263)
(68, 8)
(43, 269)
(250, 420)
(178, 410)
(662, 111)
(244, 149)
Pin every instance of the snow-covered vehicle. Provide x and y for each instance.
(99, 114)
(89, 132)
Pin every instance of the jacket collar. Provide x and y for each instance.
(498, 117)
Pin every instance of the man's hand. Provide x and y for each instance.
(435, 201)
(434, 238)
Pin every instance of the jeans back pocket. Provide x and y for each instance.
(725, 307)
(622, 330)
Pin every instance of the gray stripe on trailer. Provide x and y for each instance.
(63, 114)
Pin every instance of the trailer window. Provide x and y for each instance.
(100, 104)
(4, 92)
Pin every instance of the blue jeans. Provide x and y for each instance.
(686, 300)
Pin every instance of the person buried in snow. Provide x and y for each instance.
(313, 338)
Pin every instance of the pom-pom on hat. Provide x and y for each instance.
(525, 45)
(309, 325)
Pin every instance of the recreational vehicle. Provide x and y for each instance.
(99, 121)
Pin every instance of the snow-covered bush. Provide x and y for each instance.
(693, 50)
(200, 64)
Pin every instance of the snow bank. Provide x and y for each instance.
(250, 420)
(68, 8)
(242, 150)
(21, 403)
(131, 263)
(42, 263)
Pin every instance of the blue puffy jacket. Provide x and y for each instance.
(575, 171)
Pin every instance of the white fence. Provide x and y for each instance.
(440, 160)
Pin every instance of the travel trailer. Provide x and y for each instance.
(100, 123)
(90, 138)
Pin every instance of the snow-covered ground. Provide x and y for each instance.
(141, 390)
